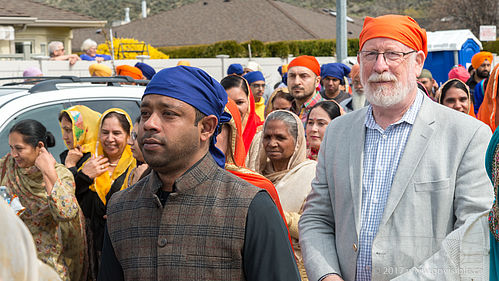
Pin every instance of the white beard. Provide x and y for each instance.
(387, 96)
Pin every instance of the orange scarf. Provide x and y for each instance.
(487, 111)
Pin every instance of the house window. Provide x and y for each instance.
(20, 47)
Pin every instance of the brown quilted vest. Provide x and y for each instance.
(197, 235)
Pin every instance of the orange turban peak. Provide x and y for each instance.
(403, 29)
(479, 58)
(184, 63)
(127, 70)
(309, 62)
(100, 70)
(354, 71)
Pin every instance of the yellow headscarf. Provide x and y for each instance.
(85, 123)
(102, 184)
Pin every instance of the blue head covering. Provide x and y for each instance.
(195, 87)
(146, 69)
(285, 79)
(254, 76)
(337, 70)
(235, 68)
(279, 69)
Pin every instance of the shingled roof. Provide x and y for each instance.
(209, 21)
(38, 14)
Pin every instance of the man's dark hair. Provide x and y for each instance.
(199, 116)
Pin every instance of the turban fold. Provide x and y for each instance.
(100, 70)
(127, 70)
(254, 66)
(459, 72)
(235, 68)
(309, 62)
(354, 72)
(403, 29)
(254, 76)
(146, 69)
(479, 58)
(336, 70)
(195, 87)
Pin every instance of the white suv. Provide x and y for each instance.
(45, 100)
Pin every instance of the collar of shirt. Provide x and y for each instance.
(315, 98)
(409, 116)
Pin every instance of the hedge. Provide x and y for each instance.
(318, 48)
(491, 46)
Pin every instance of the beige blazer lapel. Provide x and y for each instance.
(356, 141)
(414, 150)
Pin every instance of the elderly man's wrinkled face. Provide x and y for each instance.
(167, 135)
(302, 82)
(357, 85)
(388, 71)
(59, 51)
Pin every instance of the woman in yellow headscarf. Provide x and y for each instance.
(103, 174)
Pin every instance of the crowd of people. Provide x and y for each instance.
(363, 172)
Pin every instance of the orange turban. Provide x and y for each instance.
(400, 28)
(100, 70)
(479, 58)
(285, 68)
(309, 62)
(354, 71)
(127, 70)
(184, 63)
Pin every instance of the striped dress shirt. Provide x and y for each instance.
(382, 152)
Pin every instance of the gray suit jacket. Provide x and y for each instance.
(440, 181)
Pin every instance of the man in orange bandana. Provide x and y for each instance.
(410, 172)
(304, 76)
(481, 62)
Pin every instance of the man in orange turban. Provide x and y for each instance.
(127, 70)
(304, 76)
(481, 62)
(395, 177)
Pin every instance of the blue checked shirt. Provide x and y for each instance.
(382, 152)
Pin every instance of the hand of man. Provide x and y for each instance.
(74, 155)
(95, 166)
(99, 59)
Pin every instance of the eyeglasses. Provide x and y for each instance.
(134, 136)
(390, 57)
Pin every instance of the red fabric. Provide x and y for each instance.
(238, 149)
(127, 70)
(459, 72)
(488, 109)
(309, 62)
(253, 121)
(400, 28)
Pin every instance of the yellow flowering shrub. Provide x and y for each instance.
(129, 44)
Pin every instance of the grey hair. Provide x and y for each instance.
(87, 44)
(53, 46)
(287, 118)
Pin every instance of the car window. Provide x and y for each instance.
(48, 116)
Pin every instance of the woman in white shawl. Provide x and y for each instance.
(283, 160)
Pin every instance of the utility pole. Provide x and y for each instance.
(341, 30)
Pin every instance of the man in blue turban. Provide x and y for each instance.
(333, 81)
(235, 68)
(146, 69)
(189, 219)
(256, 82)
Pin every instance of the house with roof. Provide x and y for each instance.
(26, 23)
(210, 21)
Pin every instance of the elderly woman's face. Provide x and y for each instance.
(92, 51)
(113, 137)
(278, 143)
(456, 99)
(23, 153)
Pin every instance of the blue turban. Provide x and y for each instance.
(195, 87)
(279, 69)
(285, 79)
(336, 70)
(235, 68)
(146, 69)
(254, 76)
